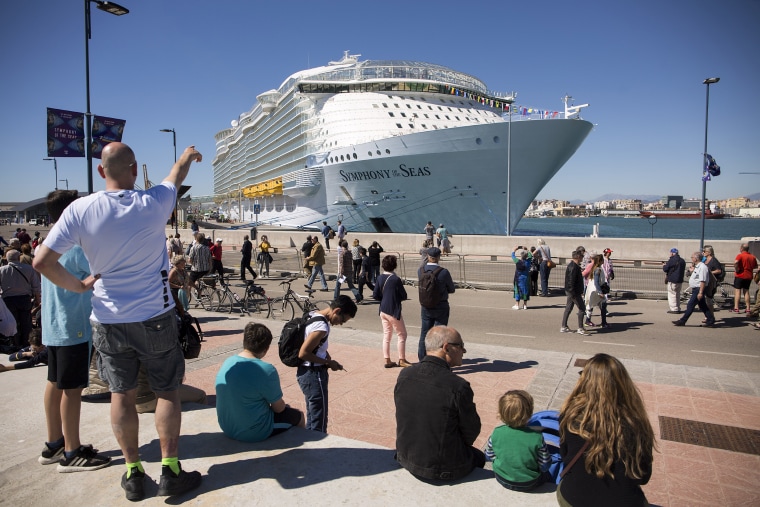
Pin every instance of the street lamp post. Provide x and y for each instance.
(67, 182)
(708, 82)
(116, 10)
(55, 166)
(652, 219)
(176, 215)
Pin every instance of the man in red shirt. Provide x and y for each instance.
(744, 264)
(216, 258)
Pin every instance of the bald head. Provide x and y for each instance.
(118, 166)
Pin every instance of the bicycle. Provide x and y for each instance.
(256, 301)
(283, 308)
(204, 294)
(724, 294)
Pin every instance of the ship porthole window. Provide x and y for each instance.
(478, 141)
(496, 139)
(387, 151)
(369, 153)
(341, 158)
(378, 152)
(355, 157)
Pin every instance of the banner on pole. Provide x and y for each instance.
(66, 136)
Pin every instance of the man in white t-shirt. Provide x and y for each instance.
(121, 231)
(698, 281)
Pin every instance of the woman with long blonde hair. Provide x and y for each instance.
(604, 423)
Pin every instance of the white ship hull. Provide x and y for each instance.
(389, 162)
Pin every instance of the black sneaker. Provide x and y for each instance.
(172, 484)
(133, 486)
(85, 459)
(49, 456)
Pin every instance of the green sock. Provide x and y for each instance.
(172, 463)
(132, 466)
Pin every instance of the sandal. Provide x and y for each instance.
(404, 363)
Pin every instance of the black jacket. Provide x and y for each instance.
(436, 421)
(573, 279)
(674, 268)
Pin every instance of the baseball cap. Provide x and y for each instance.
(674, 250)
(218, 240)
(434, 252)
(607, 250)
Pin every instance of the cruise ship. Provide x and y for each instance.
(388, 145)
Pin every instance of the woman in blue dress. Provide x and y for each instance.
(522, 277)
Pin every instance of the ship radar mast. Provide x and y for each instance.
(347, 58)
(572, 111)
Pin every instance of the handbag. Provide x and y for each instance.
(550, 264)
(605, 288)
(7, 320)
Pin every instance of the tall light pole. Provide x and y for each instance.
(55, 166)
(116, 10)
(176, 215)
(67, 182)
(708, 82)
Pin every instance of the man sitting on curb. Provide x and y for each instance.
(249, 404)
(436, 418)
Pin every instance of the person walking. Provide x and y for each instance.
(674, 269)
(121, 231)
(245, 261)
(316, 260)
(438, 314)
(574, 292)
(345, 271)
(390, 291)
(306, 250)
(700, 276)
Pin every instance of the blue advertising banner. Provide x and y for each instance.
(65, 133)
(104, 131)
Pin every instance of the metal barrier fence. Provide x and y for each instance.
(496, 272)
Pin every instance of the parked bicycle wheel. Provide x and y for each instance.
(257, 305)
(205, 294)
(221, 302)
(282, 309)
(319, 305)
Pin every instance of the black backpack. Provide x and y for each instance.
(292, 337)
(190, 336)
(430, 292)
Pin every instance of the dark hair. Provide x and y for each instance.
(58, 200)
(256, 338)
(389, 263)
(577, 254)
(346, 305)
(35, 337)
(363, 251)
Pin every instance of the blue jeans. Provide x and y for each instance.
(350, 286)
(313, 384)
(438, 316)
(317, 270)
(694, 301)
(544, 271)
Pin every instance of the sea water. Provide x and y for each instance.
(619, 227)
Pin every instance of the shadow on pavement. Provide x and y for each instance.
(481, 364)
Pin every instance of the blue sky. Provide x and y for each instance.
(194, 65)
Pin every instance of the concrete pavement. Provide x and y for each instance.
(354, 463)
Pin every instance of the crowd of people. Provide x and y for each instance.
(87, 298)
